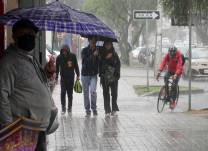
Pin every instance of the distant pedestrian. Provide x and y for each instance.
(67, 65)
(109, 71)
(89, 76)
(50, 69)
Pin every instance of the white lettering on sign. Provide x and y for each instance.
(146, 14)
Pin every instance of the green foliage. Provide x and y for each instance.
(118, 14)
(142, 89)
(181, 7)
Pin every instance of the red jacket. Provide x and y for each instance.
(174, 64)
(50, 69)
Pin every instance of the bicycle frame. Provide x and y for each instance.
(166, 94)
(169, 84)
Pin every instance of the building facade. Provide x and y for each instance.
(5, 31)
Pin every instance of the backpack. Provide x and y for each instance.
(109, 76)
(183, 59)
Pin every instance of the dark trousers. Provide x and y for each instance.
(175, 84)
(113, 87)
(67, 85)
(41, 144)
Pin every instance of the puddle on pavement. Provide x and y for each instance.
(175, 134)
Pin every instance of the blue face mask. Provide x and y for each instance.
(26, 42)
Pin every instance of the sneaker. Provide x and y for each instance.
(69, 110)
(95, 113)
(63, 112)
(88, 114)
(114, 113)
(173, 104)
(107, 115)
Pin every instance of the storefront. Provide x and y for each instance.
(1, 29)
(5, 31)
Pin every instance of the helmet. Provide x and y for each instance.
(172, 51)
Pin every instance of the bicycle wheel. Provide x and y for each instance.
(161, 100)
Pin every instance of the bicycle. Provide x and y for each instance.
(164, 98)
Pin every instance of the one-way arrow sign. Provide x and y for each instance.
(146, 14)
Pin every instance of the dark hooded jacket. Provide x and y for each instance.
(114, 61)
(62, 65)
(89, 62)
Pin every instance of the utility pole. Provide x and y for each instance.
(158, 37)
(146, 14)
(190, 52)
(147, 54)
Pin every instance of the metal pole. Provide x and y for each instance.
(156, 52)
(190, 53)
(147, 54)
(53, 38)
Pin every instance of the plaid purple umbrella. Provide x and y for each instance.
(59, 17)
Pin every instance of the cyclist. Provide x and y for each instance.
(173, 61)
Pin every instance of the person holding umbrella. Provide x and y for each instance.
(89, 73)
(109, 72)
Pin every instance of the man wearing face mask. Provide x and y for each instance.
(23, 84)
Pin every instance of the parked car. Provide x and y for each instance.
(144, 52)
(178, 43)
(164, 51)
(135, 52)
(183, 50)
(199, 63)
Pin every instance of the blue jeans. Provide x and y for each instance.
(89, 84)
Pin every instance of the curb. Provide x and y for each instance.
(198, 111)
(182, 92)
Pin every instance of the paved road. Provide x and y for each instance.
(138, 126)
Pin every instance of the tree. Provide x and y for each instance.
(77, 4)
(118, 14)
(178, 8)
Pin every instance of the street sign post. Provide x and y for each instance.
(146, 14)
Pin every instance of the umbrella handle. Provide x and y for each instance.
(53, 40)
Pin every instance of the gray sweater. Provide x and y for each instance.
(23, 92)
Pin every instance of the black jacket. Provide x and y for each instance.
(66, 65)
(114, 61)
(89, 62)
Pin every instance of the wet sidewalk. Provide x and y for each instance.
(138, 126)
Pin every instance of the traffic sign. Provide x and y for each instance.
(146, 14)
